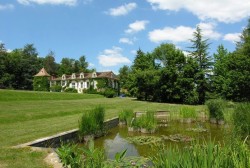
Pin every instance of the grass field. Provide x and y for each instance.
(26, 116)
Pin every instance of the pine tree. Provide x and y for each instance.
(200, 54)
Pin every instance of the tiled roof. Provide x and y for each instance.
(42, 72)
(109, 75)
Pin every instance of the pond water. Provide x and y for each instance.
(117, 138)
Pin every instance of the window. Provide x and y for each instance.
(73, 85)
(63, 77)
(63, 83)
(81, 84)
(73, 76)
(81, 75)
(87, 84)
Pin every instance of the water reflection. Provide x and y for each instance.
(118, 144)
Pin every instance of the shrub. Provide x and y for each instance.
(56, 88)
(69, 155)
(147, 121)
(109, 93)
(41, 83)
(126, 116)
(92, 122)
(215, 108)
(188, 112)
(70, 90)
(241, 119)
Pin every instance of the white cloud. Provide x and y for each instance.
(134, 52)
(183, 33)
(179, 34)
(91, 65)
(232, 37)
(126, 41)
(6, 7)
(137, 26)
(51, 2)
(122, 10)
(208, 30)
(9, 50)
(112, 57)
(228, 11)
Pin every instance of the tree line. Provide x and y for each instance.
(18, 67)
(167, 75)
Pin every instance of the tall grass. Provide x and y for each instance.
(241, 119)
(92, 122)
(188, 112)
(147, 121)
(126, 116)
(215, 108)
(205, 155)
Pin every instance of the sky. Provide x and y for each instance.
(109, 32)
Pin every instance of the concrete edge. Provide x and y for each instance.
(110, 123)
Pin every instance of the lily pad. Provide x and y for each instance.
(177, 138)
(143, 140)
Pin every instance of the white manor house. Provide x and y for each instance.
(82, 81)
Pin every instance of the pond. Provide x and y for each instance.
(175, 133)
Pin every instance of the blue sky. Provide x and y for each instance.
(108, 32)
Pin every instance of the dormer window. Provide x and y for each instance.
(63, 77)
(81, 75)
(93, 75)
(73, 76)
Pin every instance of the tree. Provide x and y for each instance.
(238, 69)
(219, 78)
(200, 54)
(41, 83)
(83, 64)
(123, 76)
(49, 63)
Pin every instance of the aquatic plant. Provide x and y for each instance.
(69, 155)
(143, 140)
(205, 155)
(215, 108)
(92, 122)
(177, 138)
(188, 112)
(126, 116)
(147, 121)
(241, 119)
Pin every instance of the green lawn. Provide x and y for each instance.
(26, 116)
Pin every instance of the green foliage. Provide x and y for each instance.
(41, 83)
(92, 122)
(241, 119)
(119, 156)
(206, 155)
(188, 112)
(110, 93)
(147, 121)
(126, 115)
(93, 157)
(215, 108)
(69, 155)
(56, 88)
(70, 90)
(74, 156)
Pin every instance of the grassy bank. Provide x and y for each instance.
(26, 116)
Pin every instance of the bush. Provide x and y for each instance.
(215, 108)
(92, 122)
(70, 90)
(241, 119)
(147, 121)
(56, 88)
(126, 116)
(110, 93)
